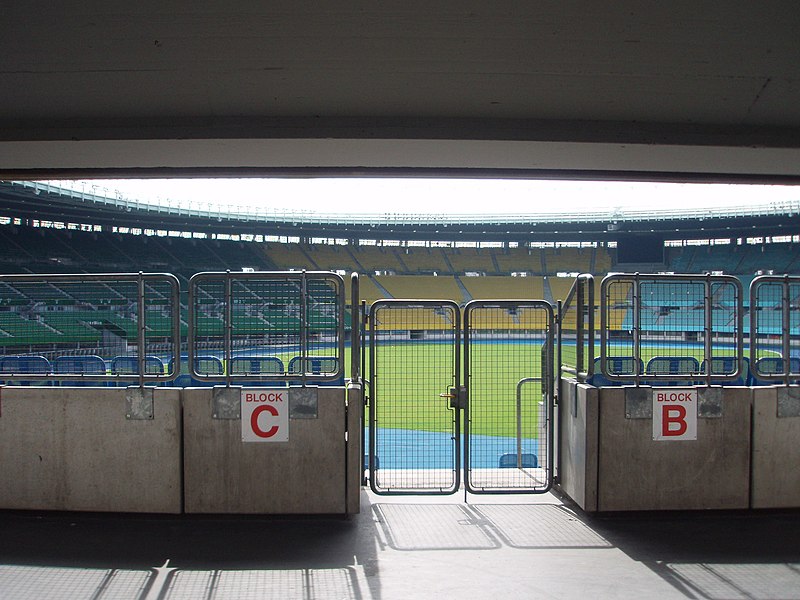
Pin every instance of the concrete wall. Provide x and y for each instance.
(355, 455)
(74, 449)
(637, 473)
(610, 462)
(305, 475)
(776, 450)
(578, 443)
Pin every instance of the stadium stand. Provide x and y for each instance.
(559, 287)
(567, 260)
(504, 287)
(424, 260)
(378, 259)
(518, 260)
(743, 260)
(421, 287)
(601, 261)
(334, 257)
(368, 291)
(289, 257)
(478, 260)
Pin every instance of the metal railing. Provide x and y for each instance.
(674, 328)
(355, 331)
(89, 327)
(775, 328)
(288, 326)
(576, 323)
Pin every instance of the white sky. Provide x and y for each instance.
(379, 196)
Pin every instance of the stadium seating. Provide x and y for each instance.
(424, 260)
(774, 366)
(289, 257)
(372, 259)
(83, 365)
(464, 260)
(24, 365)
(618, 365)
(423, 287)
(129, 365)
(567, 260)
(519, 260)
(504, 287)
(672, 365)
(726, 365)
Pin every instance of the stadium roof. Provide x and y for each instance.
(46, 202)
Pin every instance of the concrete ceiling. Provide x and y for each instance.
(671, 90)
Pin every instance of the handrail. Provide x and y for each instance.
(355, 329)
(582, 292)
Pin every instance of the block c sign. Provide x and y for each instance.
(674, 414)
(265, 415)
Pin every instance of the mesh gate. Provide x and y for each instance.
(416, 400)
(508, 370)
(413, 423)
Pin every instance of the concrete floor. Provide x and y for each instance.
(406, 547)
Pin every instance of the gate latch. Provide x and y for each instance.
(458, 397)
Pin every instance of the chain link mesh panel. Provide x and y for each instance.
(775, 328)
(576, 333)
(509, 361)
(413, 426)
(267, 326)
(78, 329)
(671, 328)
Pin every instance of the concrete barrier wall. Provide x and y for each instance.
(776, 448)
(637, 473)
(74, 449)
(355, 453)
(306, 475)
(610, 462)
(578, 443)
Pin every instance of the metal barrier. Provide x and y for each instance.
(267, 326)
(576, 333)
(667, 325)
(775, 329)
(419, 405)
(82, 328)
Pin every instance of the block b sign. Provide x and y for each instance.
(265, 415)
(674, 414)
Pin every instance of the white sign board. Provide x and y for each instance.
(674, 414)
(265, 415)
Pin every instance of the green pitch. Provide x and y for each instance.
(412, 382)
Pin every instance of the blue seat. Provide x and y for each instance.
(618, 365)
(19, 365)
(255, 365)
(774, 365)
(672, 365)
(83, 365)
(206, 365)
(316, 365)
(725, 365)
(509, 461)
(129, 365)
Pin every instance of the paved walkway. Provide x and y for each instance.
(407, 547)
